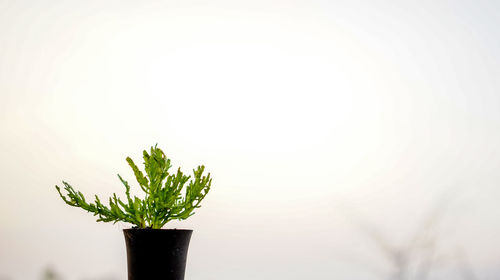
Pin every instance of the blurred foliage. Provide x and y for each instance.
(168, 196)
(50, 274)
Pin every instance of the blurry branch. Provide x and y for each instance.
(416, 258)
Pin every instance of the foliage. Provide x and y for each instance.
(165, 197)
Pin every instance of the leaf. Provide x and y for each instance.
(141, 179)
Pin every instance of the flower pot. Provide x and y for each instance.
(156, 254)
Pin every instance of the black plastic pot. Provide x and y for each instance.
(157, 254)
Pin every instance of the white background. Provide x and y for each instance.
(317, 119)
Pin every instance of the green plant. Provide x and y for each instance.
(165, 197)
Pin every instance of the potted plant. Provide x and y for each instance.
(152, 252)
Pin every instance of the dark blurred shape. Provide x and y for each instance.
(103, 278)
(50, 273)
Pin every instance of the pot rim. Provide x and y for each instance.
(156, 229)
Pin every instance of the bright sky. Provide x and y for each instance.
(314, 117)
